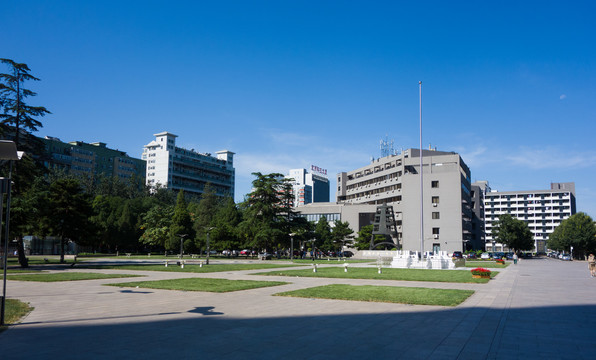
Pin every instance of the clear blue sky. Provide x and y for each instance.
(509, 85)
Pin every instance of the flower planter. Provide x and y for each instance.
(481, 276)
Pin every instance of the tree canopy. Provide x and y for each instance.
(578, 231)
(513, 232)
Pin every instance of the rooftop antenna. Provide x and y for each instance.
(387, 147)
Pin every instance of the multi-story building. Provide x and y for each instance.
(309, 187)
(177, 168)
(92, 159)
(395, 180)
(542, 210)
(478, 237)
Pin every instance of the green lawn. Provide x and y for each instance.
(201, 284)
(402, 295)
(455, 276)
(331, 261)
(14, 311)
(66, 276)
(190, 268)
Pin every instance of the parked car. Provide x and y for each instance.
(471, 256)
(245, 252)
(265, 256)
(348, 253)
(485, 256)
(566, 257)
(457, 255)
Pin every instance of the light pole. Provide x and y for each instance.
(292, 246)
(182, 236)
(8, 151)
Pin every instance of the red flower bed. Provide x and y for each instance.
(481, 272)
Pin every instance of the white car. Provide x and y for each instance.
(485, 256)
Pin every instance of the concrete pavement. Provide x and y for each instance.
(540, 308)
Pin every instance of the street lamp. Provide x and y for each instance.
(8, 151)
(292, 246)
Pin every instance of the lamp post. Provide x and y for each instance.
(292, 246)
(8, 151)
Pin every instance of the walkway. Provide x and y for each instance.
(541, 308)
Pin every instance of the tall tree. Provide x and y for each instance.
(513, 232)
(578, 231)
(181, 224)
(17, 122)
(69, 212)
(16, 113)
(265, 216)
(341, 233)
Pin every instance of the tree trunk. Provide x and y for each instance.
(62, 249)
(23, 261)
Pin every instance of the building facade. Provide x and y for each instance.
(395, 180)
(182, 169)
(92, 159)
(308, 187)
(542, 210)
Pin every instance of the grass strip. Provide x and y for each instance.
(332, 261)
(391, 294)
(201, 284)
(15, 310)
(454, 276)
(189, 268)
(66, 276)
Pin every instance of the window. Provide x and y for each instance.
(435, 231)
(435, 200)
(434, 183)
(436, 215)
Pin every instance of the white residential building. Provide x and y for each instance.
(542, 210)
(177, 168)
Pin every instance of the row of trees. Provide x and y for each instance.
(577, 232)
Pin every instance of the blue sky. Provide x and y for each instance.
(509, 85)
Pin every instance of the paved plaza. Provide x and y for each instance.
(539, 309)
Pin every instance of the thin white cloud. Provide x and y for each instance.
(563, 96)
(551, 158)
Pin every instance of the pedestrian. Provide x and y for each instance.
(592, 265)
(515, 259)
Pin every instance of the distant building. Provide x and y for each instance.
(542, 210)
(395, 180)
(177, 168)
(92, 159)
(309, 187)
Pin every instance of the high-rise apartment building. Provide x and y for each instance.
(542, 210)
(395, 180)
(177, 168)
(309, 187)
(92, 159)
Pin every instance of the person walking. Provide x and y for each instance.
(515, 259)
(592, 265)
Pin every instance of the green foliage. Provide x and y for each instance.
(267, 218)
(362, 241)
(578, 231)
(513, 232)
(69, 212)
(156, 225)
(15, 112)
(15, 310)
(323, 234)
(181, 224)
(341, 233)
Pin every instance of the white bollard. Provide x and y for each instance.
(182, 265)
(314, 268)
(201, 264)
(166, 263)
(380, 271)
(345, 267)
